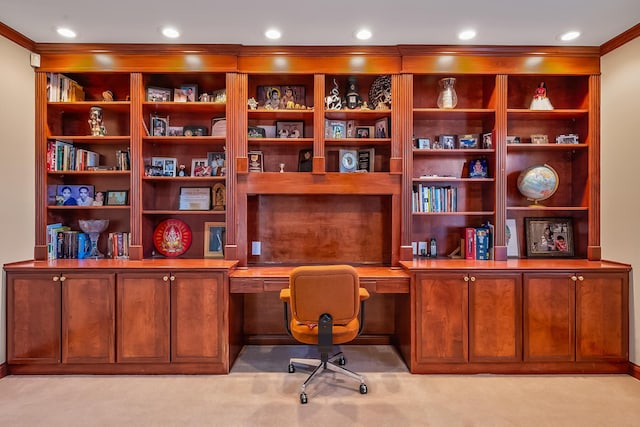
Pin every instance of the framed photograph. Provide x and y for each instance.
(195, 131)
(165, 166)
(487, 141)
(179, 95)
(467, 141)
(200, 167)
(447, 142)
(175, 131)
(74, 195)
(190, 92)
(281, 97)
(255, 161)
(513, 139)
(336, 129)
(195, 199)
(423, 143)
(511, 233)
(570, 138)
(364, 132)
(290, 129)
(382, 128)
(217, 161)
(539, 139)
(305, 161)
(478, 168)
(159, 125)
(348, 160)
(214, 239)
(158, 94)
(549, 237)
(116, 198)
(256, 132)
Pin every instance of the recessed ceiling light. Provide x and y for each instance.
(66, 32)
(363, 34)
(170, 32)
(273, 34)
(466, 34)
(570, 35)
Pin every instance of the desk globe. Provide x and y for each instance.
(538, 183)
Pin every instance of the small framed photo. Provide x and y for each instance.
(364, 131)
(116, 198)
(158, 94)
(382, 128)
(487, 141)
(549, 237)
(159, 125)
(214, 239)
(179, 95)
(190, 92)
(511, 233)
(513, 139)
(570, 138)
(478, 168)
(74, 195)
(165, 165)
(256, 132)
(290, 129)
(195, 199)
(539, 139)
(336, 129)
(255, 161)
(305, 160)
(200, 167)
(195, 131)
(175, 131)
(423, 143)
(468, 141)
(447, 142)
(218, 163)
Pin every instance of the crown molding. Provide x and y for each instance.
(16, 37)
(629, 35)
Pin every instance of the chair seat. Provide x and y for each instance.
(341, 333)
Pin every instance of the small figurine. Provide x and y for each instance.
(252, 103)
(540, 100)
(353, 98)
(333, 101)
(281, 167)
(95, 122)
(107, 96)
(182, 170)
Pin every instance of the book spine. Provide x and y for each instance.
(470, 243)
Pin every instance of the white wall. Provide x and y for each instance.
(17, 148)
(620, 156)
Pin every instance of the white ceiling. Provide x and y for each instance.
(327, 22)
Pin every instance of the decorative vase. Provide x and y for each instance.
(447, 98)
(94, 227)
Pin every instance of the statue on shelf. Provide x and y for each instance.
(540, 100)
(333, 101)
(95, 122)
(353, 98)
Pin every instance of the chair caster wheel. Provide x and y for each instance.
(303, 398)
(292, 368)
(363, 389)
(342, 361)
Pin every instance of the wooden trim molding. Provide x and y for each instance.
(4, 370)
(17, 38)
(634, 370)
(631, 34)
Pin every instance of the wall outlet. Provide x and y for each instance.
(255, 248)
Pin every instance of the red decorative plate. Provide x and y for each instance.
(172, 237)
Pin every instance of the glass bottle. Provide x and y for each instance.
(447, 98)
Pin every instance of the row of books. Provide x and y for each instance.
(434, 199)
(61, 88)
(62, 242)
(63, 156)
(478, 242)
(118, 245)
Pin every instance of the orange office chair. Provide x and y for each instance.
(325, 302)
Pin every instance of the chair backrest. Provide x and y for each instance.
(332, 289)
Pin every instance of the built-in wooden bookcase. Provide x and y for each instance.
(67, 123)
(443, 171)
(160, 195)
(570, 97)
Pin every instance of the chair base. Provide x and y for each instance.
(334, 363)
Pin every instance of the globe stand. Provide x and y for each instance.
(94, 227)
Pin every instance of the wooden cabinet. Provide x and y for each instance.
(61, 317)
(143, 316)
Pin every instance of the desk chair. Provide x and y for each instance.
(324, 304)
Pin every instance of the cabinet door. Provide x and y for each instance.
(549, 313)
(495, 317)
(88, 318)
(33, 318)
(197, 322)
(143, 317)
(602, 316)
(441, 318)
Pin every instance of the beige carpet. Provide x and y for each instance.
(259, 392)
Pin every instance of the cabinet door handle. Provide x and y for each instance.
(62, 278)
(473, 278)
(172, 278)
(466, 278)
(56, 278)
(165, 278)
(574, 278)
(580, 278)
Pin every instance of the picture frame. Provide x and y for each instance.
(195, 199)
(487, 141)
(200, 167)
(159, 125)
(337, 129)
(74, 195)
(281, 97)
(305, 160)
(217, 160)
(549, 237)
(478, 168)
(467, 141)
(175, 131)
(364, 131)
(447, 142)
(116, 197)
(195, 131)
(214, 239)
(511, 233)
(348, 160)
(255, 161)
(570, 138)
(166, 166)
(290, 129)
(179, 95)
(256, 132)
(382, 128)
(158, 94)
(190, 92)
(423, 143)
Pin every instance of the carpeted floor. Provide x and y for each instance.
(259, 392)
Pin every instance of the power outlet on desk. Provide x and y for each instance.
(255, 248)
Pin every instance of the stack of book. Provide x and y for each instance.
(61, 88)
